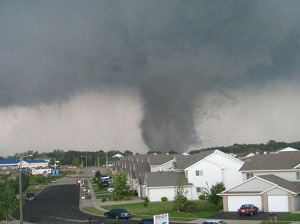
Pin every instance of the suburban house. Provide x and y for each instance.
(200, 170)
(156, 185)
(271, 182)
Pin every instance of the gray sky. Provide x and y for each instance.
(138, 75)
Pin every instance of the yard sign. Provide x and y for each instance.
(161, 219)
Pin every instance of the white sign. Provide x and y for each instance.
(161, 219)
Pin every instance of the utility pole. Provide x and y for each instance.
(106, 162)
(20, 190)
(85, 160)
(98, 160)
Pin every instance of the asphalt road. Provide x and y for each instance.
(58, 204)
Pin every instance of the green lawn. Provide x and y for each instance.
(93, 210)
(205, 209)
(285, 219)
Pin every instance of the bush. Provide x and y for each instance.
(135, 193)
(190, 206)
(164, 199)
(179, 203)
(146, 202)
(104, 199)
(109, 198)
(202, 197)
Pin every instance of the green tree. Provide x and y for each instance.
(146, 202)
(180, 194)
(211, 194)
(8, 202)
(128, 153)
(121, 188)
(51, 162)
(75, 162)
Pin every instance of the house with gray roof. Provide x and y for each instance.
(200, 170)
(269, 193)
(283, 164)
(271, 182)
(156, 185)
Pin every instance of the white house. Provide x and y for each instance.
(211, 169)
(283, 164)
(201, 171)
(271, 182)
(156, 185)
(267, 192)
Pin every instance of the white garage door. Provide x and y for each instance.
(235, 202)
(278, 203)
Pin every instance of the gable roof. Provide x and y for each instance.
(278, 161)
(163, 179)
(274, 180)
(159, 159)
(289, 185)
(289, 149)
(183, 162)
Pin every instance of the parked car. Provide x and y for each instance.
(248, 209)
(106, 183)
(118, 213)
(146, 221)
(110, 190)
(214, 222)
(30, 197)
(106, 177)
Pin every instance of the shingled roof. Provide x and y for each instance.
(160, 179)
(278, 161)
(183, 162)
(159, 159)
(289, 185)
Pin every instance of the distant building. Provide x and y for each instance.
(13, 164)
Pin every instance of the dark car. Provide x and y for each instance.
(146, 221)
(248, 209)
(214, 222)
(30, 197)
(106, 183)
(118, 213)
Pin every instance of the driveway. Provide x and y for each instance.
(236, 216)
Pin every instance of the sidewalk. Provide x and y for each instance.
(94, 200)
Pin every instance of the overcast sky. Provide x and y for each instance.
(140, 75)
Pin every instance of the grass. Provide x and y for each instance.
(285, 219)
(93, 210)
(204, 209)
(289, 217)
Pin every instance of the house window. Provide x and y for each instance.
(249, 175)
(298, 175)
(199, 172)
(200, 190)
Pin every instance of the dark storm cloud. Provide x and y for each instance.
(173, 52)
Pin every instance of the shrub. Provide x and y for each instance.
(135, 193)
(109, 198)
(146, 202)
(104, 199)
(190, 206)
(179, 203)
(202, 197)
(164, 199)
